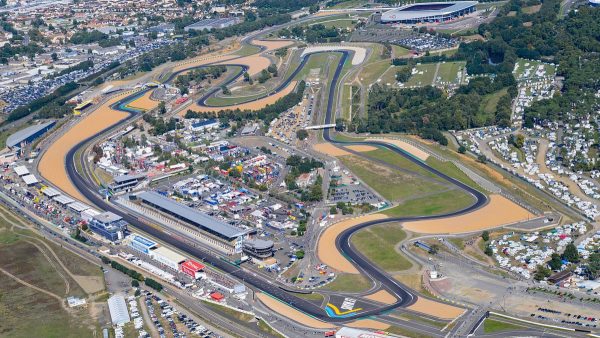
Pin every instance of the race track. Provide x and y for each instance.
(404, 295)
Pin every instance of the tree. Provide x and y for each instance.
(541, 273)
(555, 262)
(162, 108)
(300, 254)
(488, 251)
(54, 57)
(333, 210)
(135, 283)
(482, 159)
(485, 235)
(571, 254)
(434, 249)
(137, 293)
(225, 90)
(594, 265)
(462, 149)
(302, 134)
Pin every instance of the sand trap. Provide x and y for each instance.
(382, 296)
(361, 148)
(273, 44)
(52, 163)
(255, 63)
(499, 211)
(254, 105)
(369, 324)
(436, 309)
(329, 149)
(359, 52)
(326, 250)
(325, 12)
(144, 102)
(292, 313)
(407, 147)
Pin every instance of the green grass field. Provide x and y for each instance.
(378, 244)
(338, 23)
(392, 158)
(494, 326)
(371, 73)
(434, 204)
(27, 312)
(348, 4)
(449, 72)
(392, 184)
(423, 76)
(452, 170)
(399, 51)
(522, 65)
(349, 283)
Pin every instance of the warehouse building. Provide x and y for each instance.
(167, 257)
(210, 24)
(118, 310)
(28, 135)
(215, 232)
(429, 12)
(108, 225)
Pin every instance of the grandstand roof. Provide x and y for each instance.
(192, 215)
(425, 9)
(23, 134)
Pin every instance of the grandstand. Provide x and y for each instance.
(429, 12)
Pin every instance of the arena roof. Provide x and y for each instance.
(426, 9)
(23, 134)
(192, 216)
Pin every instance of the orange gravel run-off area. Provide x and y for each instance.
(254, 105)
(273, 44)
(382, 296)
(329, 149)
(361, 148)
(499, 211)
(290, 312)
(409, 148)
(255, 63)
(144, 102)
(329, 254)
(52, 163)
(369, 324)
(436, 309)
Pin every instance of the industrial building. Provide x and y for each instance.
(215, 232)
(205, 125)
(108, 225)
(141, 244)
(167, 257)
(126, 182)
(28, 135)
(429, 12)
(210, 24)
(192, 269)
(258, 248)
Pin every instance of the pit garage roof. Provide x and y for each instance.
(192, 215)
(30, 179)
(78, 206)
(51, 192)
(169, 254)
(21, 170)
(62, 199)
(129, 177)
(23, 134)
(420, 10)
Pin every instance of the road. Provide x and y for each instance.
(404, 295)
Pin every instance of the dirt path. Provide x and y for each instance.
(55, 296)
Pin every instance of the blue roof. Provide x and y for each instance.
(143, 241)
(24, 134)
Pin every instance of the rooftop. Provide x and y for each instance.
(192, 215)
(129, 177)
(23, 134)
(107, 217)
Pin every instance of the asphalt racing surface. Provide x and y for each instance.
(404, 295)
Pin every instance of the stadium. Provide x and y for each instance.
(428, 12)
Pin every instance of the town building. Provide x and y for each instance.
(108, 225)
